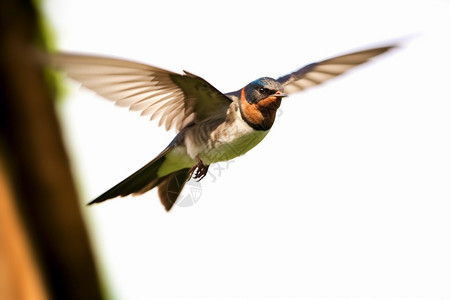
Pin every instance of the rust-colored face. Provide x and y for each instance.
(260, 115)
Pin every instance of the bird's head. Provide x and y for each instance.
(262, 89)
(259, 101)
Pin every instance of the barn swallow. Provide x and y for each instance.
(211, 126)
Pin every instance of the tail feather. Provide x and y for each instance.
(170, 187)
(139, 182)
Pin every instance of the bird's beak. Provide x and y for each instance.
(279, 94)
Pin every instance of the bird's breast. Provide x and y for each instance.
(232, 138)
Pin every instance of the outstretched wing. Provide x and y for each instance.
(318, 72)
(176, 99)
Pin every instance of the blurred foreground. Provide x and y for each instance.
(44, 247)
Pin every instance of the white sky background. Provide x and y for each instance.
(348, 196)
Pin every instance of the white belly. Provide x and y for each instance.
(232, 149)
(226, 142)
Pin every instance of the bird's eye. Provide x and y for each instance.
(264, 90)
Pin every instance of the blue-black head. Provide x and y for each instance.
(263, 88)
(259, 101)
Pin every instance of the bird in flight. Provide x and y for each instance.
(211, 126)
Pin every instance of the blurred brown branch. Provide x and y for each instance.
(44, 246)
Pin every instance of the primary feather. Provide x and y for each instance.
(318, 72)
(176, 99)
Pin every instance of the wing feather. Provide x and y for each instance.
(316, 73)
(176, 99)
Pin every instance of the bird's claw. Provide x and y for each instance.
(200, 170)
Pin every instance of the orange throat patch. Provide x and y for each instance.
(260, 115)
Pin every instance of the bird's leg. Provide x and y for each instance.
(200, 169)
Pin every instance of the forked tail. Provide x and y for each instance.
(146, 178)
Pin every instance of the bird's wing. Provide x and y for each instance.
(318, 72)
(176, 99)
